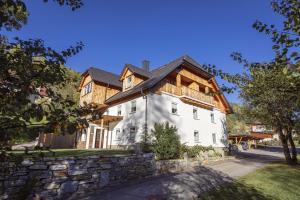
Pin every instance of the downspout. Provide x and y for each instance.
(146, 113)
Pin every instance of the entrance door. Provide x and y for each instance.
(99, 140)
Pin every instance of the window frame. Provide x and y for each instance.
(214, 138)
(118, 134)
(133, 102)
(119, 110)
(198, 138)
(129, 84)
(212, 117)
(88, 88)
(176, 107)
(197, 113)
(132, 137)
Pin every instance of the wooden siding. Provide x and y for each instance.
(136, 79)
(100, 92)
(185, 83)
(194, 77)
(57, 141)
(85, 97)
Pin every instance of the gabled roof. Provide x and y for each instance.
(157, 75)
(138, 70)
(102, 76)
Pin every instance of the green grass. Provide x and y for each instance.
(276, 182)
(71, 152)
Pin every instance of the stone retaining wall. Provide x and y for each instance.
(57, 178)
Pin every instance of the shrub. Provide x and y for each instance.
(194, 151)
(166, 143)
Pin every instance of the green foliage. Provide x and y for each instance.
(236, 122)
(26, 67)
(194, 151)
(166, 141)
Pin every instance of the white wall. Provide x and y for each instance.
(159, 110)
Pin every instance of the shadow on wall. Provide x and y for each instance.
(224, 139)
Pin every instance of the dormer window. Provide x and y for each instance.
(128, 81)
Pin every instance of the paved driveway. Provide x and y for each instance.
(190, 184)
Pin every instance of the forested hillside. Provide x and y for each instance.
(236, 122)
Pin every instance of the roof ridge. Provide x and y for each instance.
(96, 68)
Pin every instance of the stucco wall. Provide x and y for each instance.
(159, 110)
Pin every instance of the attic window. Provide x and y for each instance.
(128, 81)
(88, 88)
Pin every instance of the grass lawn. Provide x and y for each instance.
(72, 152)
(276, 181)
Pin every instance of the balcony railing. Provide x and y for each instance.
(186, 92)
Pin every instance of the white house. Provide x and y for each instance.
(180, 92)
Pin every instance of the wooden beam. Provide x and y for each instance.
(178, 80)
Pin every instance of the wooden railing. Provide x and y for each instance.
(187, 92)
(169, 88)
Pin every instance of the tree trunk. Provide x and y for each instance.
(293, 148)
(285, 147)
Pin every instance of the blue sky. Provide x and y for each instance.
(116, 32)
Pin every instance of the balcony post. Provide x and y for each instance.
(206, 90)
(178, 84)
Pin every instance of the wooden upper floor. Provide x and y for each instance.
(182, 77)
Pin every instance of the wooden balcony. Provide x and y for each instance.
(188, 92)
(185, 92)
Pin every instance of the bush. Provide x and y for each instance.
(194, 151)
(166, 141)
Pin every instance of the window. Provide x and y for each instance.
(118, 134)
(214, 138)
(83, 135)
(133, 106)
(88, 88)
(196, 136)
(119, 110)
(132, 132)
(212, 117)
(128, 81)
(174, 108)
(195, 113)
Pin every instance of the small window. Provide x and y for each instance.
(88, 88)
(119, 110)
(132, 132)
(174, 108)
(128, 81)
(118, 134)
(133, 106)
(214, 138)
(196, 136)
(195, 113)
(212, 117)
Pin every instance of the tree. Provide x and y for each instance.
(165, 143)
(26, 67)
(271, 90)
(272, 94)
